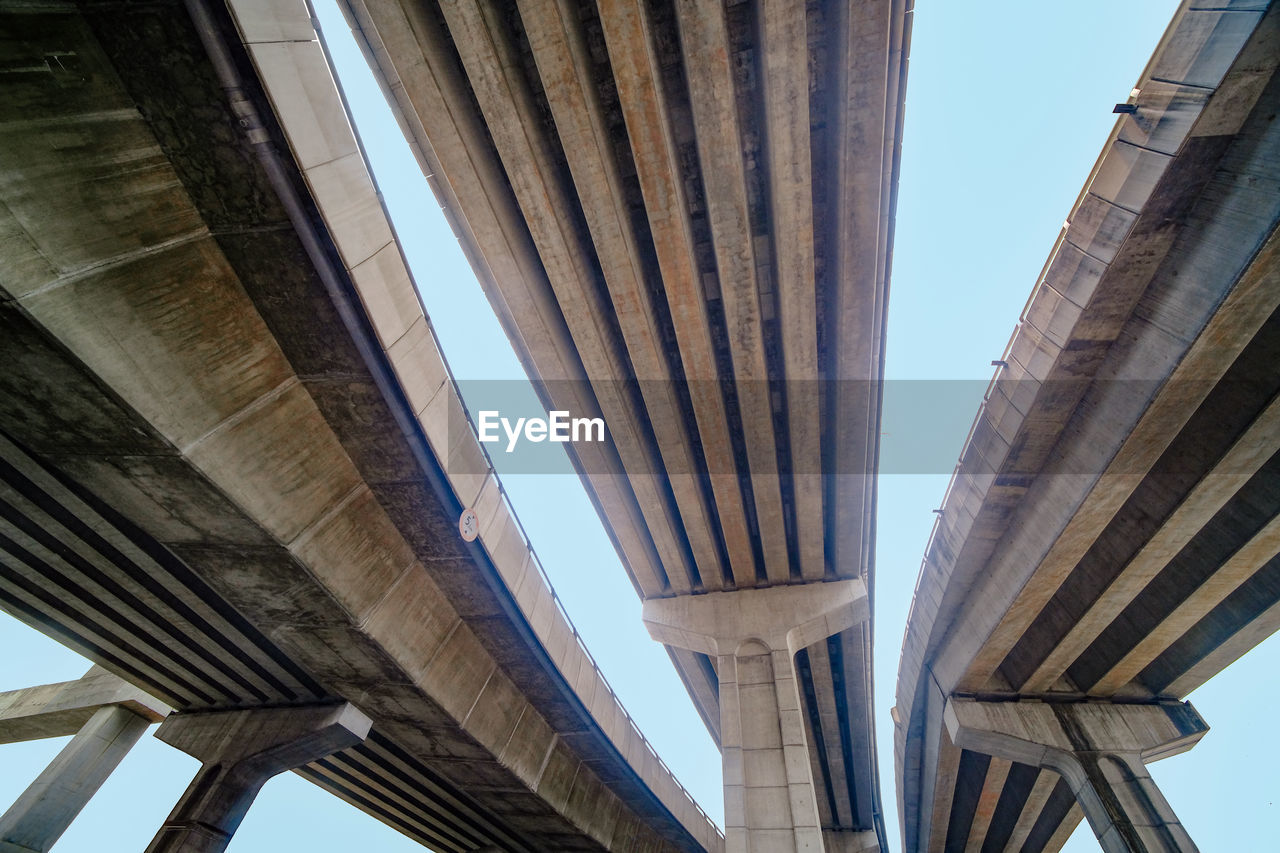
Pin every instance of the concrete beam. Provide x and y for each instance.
(824, 695)
(1251, 634)
(410, 51)
(992, 787)
(868, 80)
(995, 631)
(784, 52)
(1249, 453)
(492, 67)
(787, 617)
(240, 751)
(946, 770)
(704, 40)
(559, 48)
(58, 710)
(638, 77)
(1065, 828)
(1101, 750)
(1241, 566)
(1031, 809)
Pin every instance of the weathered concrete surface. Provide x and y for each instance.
(754, 635)
(239, 752)
(211, 494)
(58, 710)
(1111, 531)
(834, 841)
(106, 715)
(786, 617)
(679, 193)
(35, 822)
(1101, 750)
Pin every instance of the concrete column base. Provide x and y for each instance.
(240, 751)
(1101, 749)
(770, 802)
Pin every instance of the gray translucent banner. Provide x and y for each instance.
(923, 430)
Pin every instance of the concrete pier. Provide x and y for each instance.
(754, 635)
(1101, 750)
(106, 715)
(46, 808)
(240, 751)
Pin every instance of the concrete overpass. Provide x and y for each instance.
(682, 214)
(1109, 541)
(226, 472)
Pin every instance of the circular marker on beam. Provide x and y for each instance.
(469, 525)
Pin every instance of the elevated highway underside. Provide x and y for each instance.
(219, 474)
(682, 214)
(1110, 540)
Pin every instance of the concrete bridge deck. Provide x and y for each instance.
(225, 468)
(1109, 541)
(682, 214)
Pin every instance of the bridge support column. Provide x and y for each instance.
(754, 634)
(240, 751)
(1101, 750)
(106, 715)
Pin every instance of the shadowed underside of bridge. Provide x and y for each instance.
(1110, 540)
(211, 480)
(681, 212)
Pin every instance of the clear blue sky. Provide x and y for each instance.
(1007, 108)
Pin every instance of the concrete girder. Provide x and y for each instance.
(1246, 561)
(833, 760)
(1224, 654)
(785, 50)
(1100, 750)
(1255, 553)
(1228, 331)
(1189, 380)
(556, 40)
(1065, 828)
(868, 91)
(944, 789)
(638, 78)
(992, 787)
(1037, 488)
(704, 41)
(462, 166)
(842, 702)
(1036, 799)
(1232, 471)
(352, 604)
(54, 555)
(502, 93)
